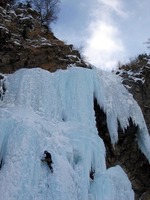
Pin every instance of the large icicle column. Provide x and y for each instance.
(55, 112)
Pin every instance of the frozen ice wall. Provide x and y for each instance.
(54, 111)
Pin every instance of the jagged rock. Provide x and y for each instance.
(146, 195)
(33, 13)
(2, 10)
(136, 78)
(4, 35)
(27, 43)
(137, 81)
(125, 153)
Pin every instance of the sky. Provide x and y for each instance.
(105, 31)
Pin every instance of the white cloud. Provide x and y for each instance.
(114, 5)
(104, 47)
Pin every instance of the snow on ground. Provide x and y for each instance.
(54, 111)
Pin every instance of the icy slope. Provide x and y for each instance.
(54, 112)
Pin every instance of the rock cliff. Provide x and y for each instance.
(136, 78)
(24, 42)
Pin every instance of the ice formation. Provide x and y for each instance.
(55, 112)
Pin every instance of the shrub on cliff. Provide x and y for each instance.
(48, 10)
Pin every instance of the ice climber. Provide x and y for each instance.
(92, 174)
(48, 160)
(2, 87)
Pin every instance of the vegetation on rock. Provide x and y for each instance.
(48, 10)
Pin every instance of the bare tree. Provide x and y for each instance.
(48, 10)
(148, 43)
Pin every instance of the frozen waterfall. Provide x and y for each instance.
(55, 112)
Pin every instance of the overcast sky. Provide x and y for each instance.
(108, 30)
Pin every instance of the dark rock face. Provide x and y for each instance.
(146, 195)
(136, 79)
(125, 153)
(25, 43)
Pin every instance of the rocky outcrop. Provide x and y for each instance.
(136, 78)
(24, 42)
(146, 196)
(125, 153)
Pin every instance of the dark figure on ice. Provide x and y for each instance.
(2, 87)
(48, 160)
(92, 174)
